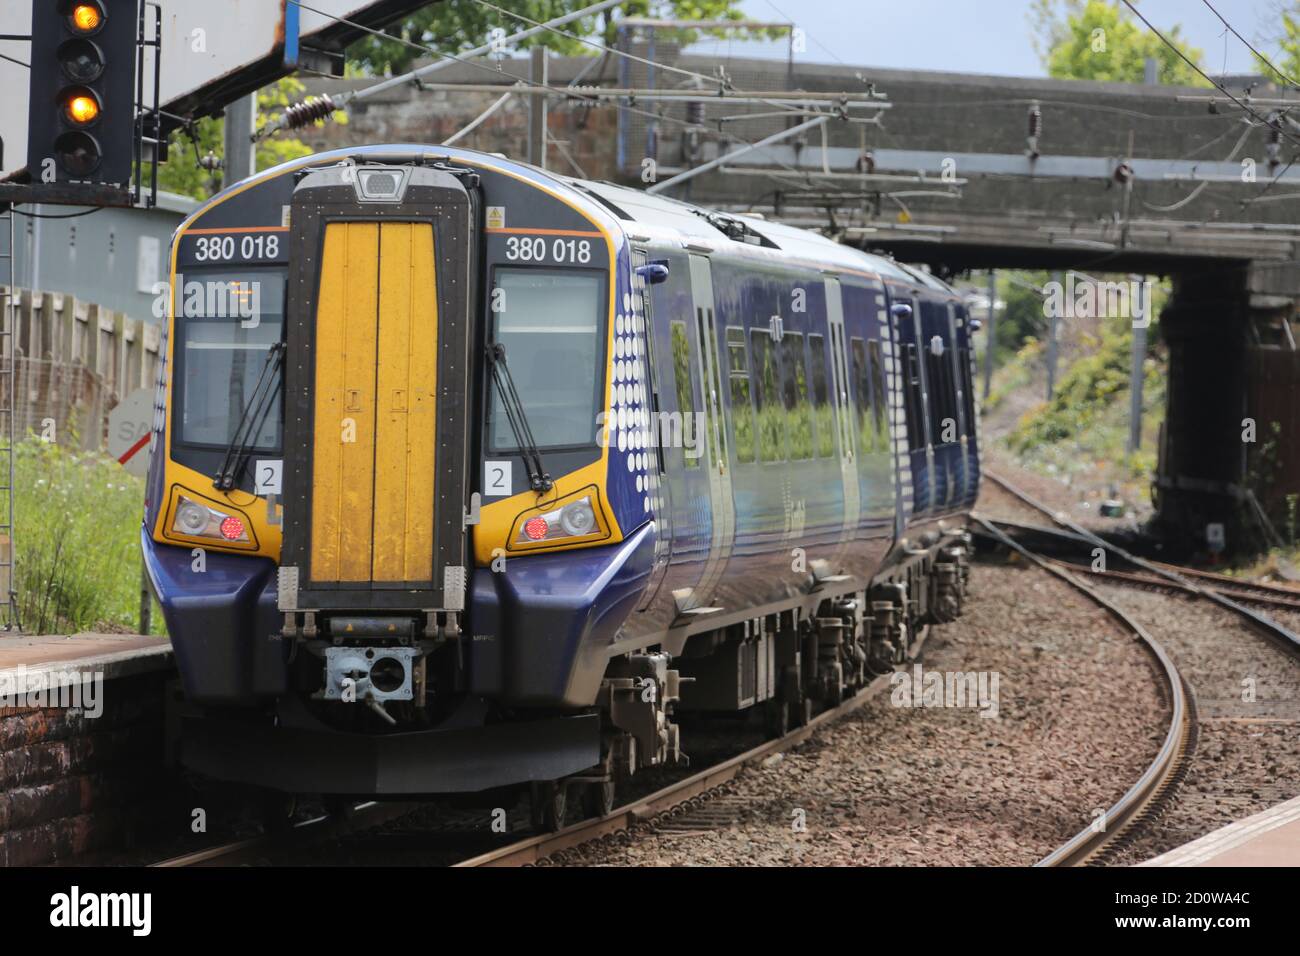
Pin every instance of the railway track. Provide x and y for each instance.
(688, 798)
(695, 793)
(1154, 792)
(317, 829)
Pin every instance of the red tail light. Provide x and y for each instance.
(536, 528)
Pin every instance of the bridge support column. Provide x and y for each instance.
(1202, 459)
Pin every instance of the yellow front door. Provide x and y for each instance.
(376, 369)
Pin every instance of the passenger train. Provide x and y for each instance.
(472, 476)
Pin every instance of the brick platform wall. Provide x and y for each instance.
(70, 785)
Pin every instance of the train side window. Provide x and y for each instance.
(767, 379)
(943, 410)
(968, 390)
(823, 416)
(692, 431)
(878, 395)
(862, 395)
(742, 406)
(915, 404)
(795, 392)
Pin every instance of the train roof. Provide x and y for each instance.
(661, 217)
(642, 213)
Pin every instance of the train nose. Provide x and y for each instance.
(376, 447)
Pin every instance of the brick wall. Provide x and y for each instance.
(70, 785)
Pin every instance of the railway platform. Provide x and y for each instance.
(115, 655)
(1270, 838)
(81, 741)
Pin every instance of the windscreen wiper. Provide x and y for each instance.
(250, 422)
(538, 479)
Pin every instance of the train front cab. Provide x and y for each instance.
(406, 524)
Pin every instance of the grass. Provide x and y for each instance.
(77, 522)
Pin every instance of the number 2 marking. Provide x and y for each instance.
(497, 479)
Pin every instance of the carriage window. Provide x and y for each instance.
(771, 415)
(967, 389)
(879, 395)
(915, 403)
(794, 382)
(864, 394)
(822, 414)
(549, 323)
(742, 409)
(692, 432)
(943, 407)
(224, 335)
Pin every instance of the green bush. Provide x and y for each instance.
(77, 523)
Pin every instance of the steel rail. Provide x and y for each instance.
(1281, 635)
(534, 849)
(1081, 848)
(1269, 595)
(327, 826)
(1163, 773)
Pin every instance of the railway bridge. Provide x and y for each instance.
(960, 172)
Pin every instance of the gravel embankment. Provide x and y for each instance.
(1079, 717)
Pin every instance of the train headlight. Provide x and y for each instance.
(578, 519)
(197, 520)
(574, 519)
(191, 518)
(381, 183)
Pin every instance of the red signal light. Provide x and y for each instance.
(232, 529)
(536, 528)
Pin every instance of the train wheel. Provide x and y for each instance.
(598, 799)
(548, 804)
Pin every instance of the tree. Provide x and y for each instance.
(182, 173)
(1285, 69)
(1096, 40)
(453, 26)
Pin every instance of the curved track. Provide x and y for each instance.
(1147, 797)
(1169, 765)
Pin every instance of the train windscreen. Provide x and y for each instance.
(549, 322)
(226, 325)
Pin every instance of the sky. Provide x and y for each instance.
(983, 36)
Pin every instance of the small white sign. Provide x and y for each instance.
(148, 264)
(497, 481)
(1216, 537)
(269, 473)
(130, 428)
(496, 217)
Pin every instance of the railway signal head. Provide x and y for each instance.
(81, 122)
